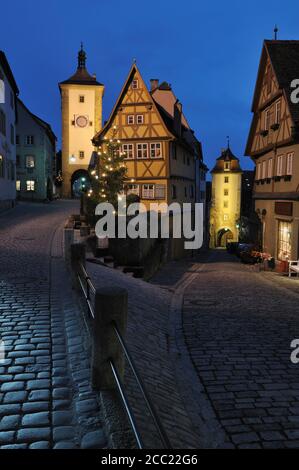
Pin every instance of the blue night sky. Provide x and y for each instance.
(208, 51)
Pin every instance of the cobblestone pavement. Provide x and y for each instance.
(45, 396)
(238, 325)
(150, 345)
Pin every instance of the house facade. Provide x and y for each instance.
(161, 151)
(8, 117)
(35, 159)
(226, 200)
(81, 107)
(273, 145)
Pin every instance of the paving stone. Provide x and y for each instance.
(6, 437)
(65, 445)
(63, 433)
(61, 393)
(40, 445)
(15, 397)
(62, 418)
(36, 419)
(9, 423)
(10, 409)
(94, 440)
(12, 386)
(38, 384)
(36, 406)
(37, 395)
(33, 434)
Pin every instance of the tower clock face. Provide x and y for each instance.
(81, 121)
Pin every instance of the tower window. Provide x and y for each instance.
(226, 179)
(226, 192)
(81, 99)
(227, 165)
(81, 154)
(225, 204)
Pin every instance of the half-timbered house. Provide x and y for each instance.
(273, 145)
(161, 151)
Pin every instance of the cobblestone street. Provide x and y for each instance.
(238, 325)
(45, 395)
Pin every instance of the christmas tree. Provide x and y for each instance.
(109, 172)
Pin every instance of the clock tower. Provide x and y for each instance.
(81, 108)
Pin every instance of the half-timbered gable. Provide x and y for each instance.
(153, 144)
(273, 144)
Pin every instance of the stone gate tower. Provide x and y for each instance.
(226, 199)
(81, 108)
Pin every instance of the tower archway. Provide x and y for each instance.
(80, 180)
(224, 236)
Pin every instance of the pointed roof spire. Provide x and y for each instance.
(227, 137)
(81, 58)
(275, 32)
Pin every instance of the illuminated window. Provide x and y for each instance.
(29, 140)
(30, 185)
(30, 161)
(267, 119)
(155, 150)
(270, 168)
(159, 191)
(148, 191)
(290, 158)
(277, 111)
(264, 167)
(1, 166)
(18, 185)
(142, 151)
(135, 84)
(279, 169)
(128, 150)
(139, 118)
(133, 189)
(284, 245)
(130, 119)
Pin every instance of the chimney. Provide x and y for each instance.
(154, 83)
(177, 117)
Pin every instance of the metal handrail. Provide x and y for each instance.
(158, 424)
(86, 289)
(127, 407)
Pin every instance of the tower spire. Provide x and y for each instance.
(227, 137)
(275, 32)
(81, 58)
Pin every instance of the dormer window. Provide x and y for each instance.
(135, 84)
(226, 166)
